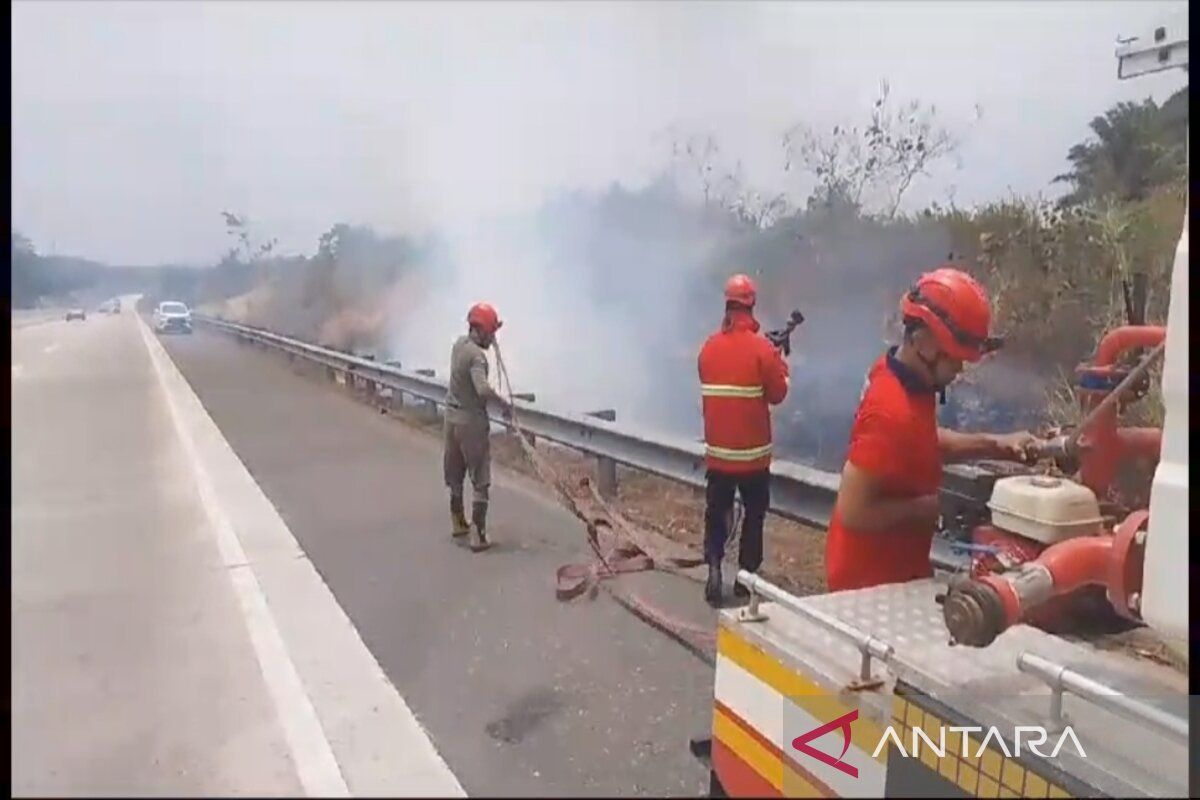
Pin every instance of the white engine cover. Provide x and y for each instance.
(1045, 509)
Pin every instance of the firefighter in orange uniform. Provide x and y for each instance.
(741, 375)
(887, 506)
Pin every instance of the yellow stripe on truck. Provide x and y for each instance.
(760, 759)
(770, 766)
(816, 700)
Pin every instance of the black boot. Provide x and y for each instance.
(712, 589)
(740, 591)
(458, 518)
(479, 517)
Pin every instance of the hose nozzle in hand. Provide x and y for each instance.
(782, 338)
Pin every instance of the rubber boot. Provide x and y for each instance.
(740, 592)
(712, 589)
(479, 517)
(458, 519)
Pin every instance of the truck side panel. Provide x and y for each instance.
(762, 705)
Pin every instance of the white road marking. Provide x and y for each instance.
(317, 768)
(413, 766)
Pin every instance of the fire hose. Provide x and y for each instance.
(618, 547)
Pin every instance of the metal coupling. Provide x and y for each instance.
(1060, 448)
(974, 613)
(1032, 583)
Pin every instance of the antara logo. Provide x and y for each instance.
(1032, 736)
(843, 723)
(1036, 737)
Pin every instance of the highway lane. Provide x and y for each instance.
(520, 694)
(26, 317)
(169, 635)
(132, 670)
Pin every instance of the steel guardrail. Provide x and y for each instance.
(798, 492)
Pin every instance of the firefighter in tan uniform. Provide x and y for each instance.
(467, 446)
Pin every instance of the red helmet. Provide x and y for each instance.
(484, 317)
(740, 289)
(955, 308)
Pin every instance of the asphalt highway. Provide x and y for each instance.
(520, 694)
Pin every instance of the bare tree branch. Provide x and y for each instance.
(882, 161)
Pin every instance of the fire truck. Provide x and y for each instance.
(974, 683)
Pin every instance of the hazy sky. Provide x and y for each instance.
(135, 124)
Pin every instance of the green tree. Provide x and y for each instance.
(1135, 148)
(26, 282)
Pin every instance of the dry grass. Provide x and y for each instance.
(794, 553)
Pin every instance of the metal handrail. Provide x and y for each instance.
(1062, 679)
(868, 646)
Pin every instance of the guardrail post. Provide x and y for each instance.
(395, 396)
(429, 406)
(372, 386)
(606, 468)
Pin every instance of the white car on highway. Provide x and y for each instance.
(171, 315)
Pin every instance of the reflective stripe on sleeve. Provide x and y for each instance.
(730, 454)
(725, 390)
